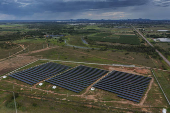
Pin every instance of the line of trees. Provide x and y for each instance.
(11, 37)
(6, 45)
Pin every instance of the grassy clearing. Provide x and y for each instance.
(28, 105)
(155, 97)
(33, 44)
(11, 25)
(150, 40)
(30, 41)
(96, 56)
(76, 40)
(165, 46)
(7, 52)
(108, 37)
(12, 28)
(92, 27)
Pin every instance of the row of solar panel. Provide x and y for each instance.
(138, 85)
(120, 83)
(78, 78)
(43, 73)
(121, 75)
(127, 86)
(77, 75)
(42, 68)
(36, 74)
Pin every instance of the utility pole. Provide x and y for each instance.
(15, 102)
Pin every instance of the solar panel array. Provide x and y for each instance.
(126, 85)
(36, 74)
(77, 78)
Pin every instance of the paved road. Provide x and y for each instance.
(160, 54)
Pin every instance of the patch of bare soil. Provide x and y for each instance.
(37, 51)
(145, 96)
(91, 97)
(134, 70)
(142, 71)
(14, 63)
(18, 61)
(123, 69)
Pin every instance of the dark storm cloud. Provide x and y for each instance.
(86, 5)
(29, 7)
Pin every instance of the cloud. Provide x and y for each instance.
(7, 17)
(93, 9)
(37, 6)
(108, 15)
(162, 3)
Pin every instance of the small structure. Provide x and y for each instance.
(40, 84)
(92, 88)
(164, 110)
(54, 87)
(162, 30)
(4, 76)
(162, 40)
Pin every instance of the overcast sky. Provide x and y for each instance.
(83, 9)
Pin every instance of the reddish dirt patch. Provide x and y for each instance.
(135, 70)
(18, 61)
(14, 63)
(91, 97)
(123, 69)
(142, 71)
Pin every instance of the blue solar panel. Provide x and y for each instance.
(78, 78)
(127, 86)
(36, 74)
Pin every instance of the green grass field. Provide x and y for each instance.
(96, 56)
(108, 37)
(11, 25)
(76, 40)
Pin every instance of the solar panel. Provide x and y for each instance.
(36, 74)
(126, 85)
(77, 78)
